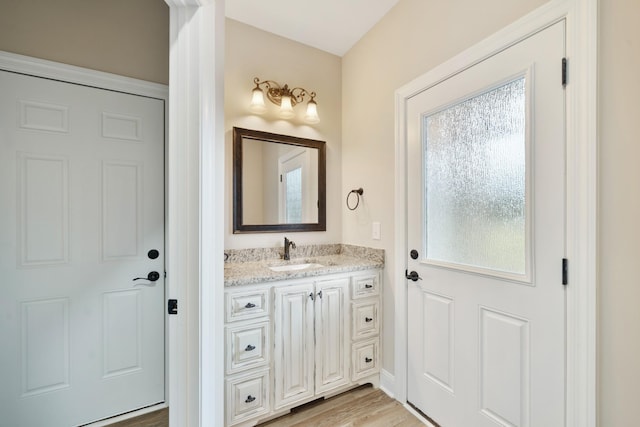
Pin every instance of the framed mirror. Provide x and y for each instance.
(279, 183)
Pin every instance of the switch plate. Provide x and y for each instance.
(375, 231)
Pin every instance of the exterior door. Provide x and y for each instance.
(81, 212)
(486, 216)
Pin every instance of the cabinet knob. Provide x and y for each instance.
(368, 319)
(249, 399)
(249, 305)
(368, 286)
(368, 359)
(250, 347)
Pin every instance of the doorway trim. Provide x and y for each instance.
(196, 225)
(581, 114)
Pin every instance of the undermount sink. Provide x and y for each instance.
(294, 267)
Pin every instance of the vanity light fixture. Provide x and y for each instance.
(284, 97)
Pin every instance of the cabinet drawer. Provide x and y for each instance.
(247, 305)
(364, 359)
(247, 346)
(247, 397)
(364, 319)
(365, 286)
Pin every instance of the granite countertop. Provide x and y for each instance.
(251, 266)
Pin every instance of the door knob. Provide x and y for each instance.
(152, 276)
(413, 276)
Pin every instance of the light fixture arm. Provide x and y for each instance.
(275, 92)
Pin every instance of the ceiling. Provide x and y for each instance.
(330, 25)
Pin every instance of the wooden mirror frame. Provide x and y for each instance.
(238, 226)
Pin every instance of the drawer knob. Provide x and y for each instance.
(250, 347)
(249, 399)
(368, 359)
(368, 286)
(249, 305)
(368, 319)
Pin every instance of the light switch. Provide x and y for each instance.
(375, 231)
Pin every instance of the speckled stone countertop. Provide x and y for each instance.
(250, 266)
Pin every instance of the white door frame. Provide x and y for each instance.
(581, 109)
(195, 226)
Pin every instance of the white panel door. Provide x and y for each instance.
(486, 211)
(294, 343)
(81, 206)
(332, 334)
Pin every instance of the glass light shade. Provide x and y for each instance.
(257, 101)
(286, 109)
(312, 112)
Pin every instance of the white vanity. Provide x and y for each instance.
(299, 330)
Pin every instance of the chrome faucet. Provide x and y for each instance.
(288, 244)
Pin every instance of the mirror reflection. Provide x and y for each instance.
(279, 182)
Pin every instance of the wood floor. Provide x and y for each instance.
(152, 419)
(363, 406)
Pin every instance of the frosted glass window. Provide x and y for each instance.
(294, 196)
(475, 166)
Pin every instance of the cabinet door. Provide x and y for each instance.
(294, 358)
(332, 337)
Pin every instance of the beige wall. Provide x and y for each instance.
(254, 53)
(619, 222)
(414, 37)
(125, 37)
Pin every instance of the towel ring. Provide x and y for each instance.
(358, 192)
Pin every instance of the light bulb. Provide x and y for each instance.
(312, 112)
(286, 109)
(257, 101)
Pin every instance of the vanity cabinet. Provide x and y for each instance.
(311, 340)
(294, 341)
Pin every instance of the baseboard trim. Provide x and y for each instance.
(388, 383)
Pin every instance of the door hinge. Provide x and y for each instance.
(564, 72)
(565, 271)
(172, 306)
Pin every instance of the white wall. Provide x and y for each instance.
(415, 36)
(254, 53)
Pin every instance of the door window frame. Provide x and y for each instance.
(581, 125)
